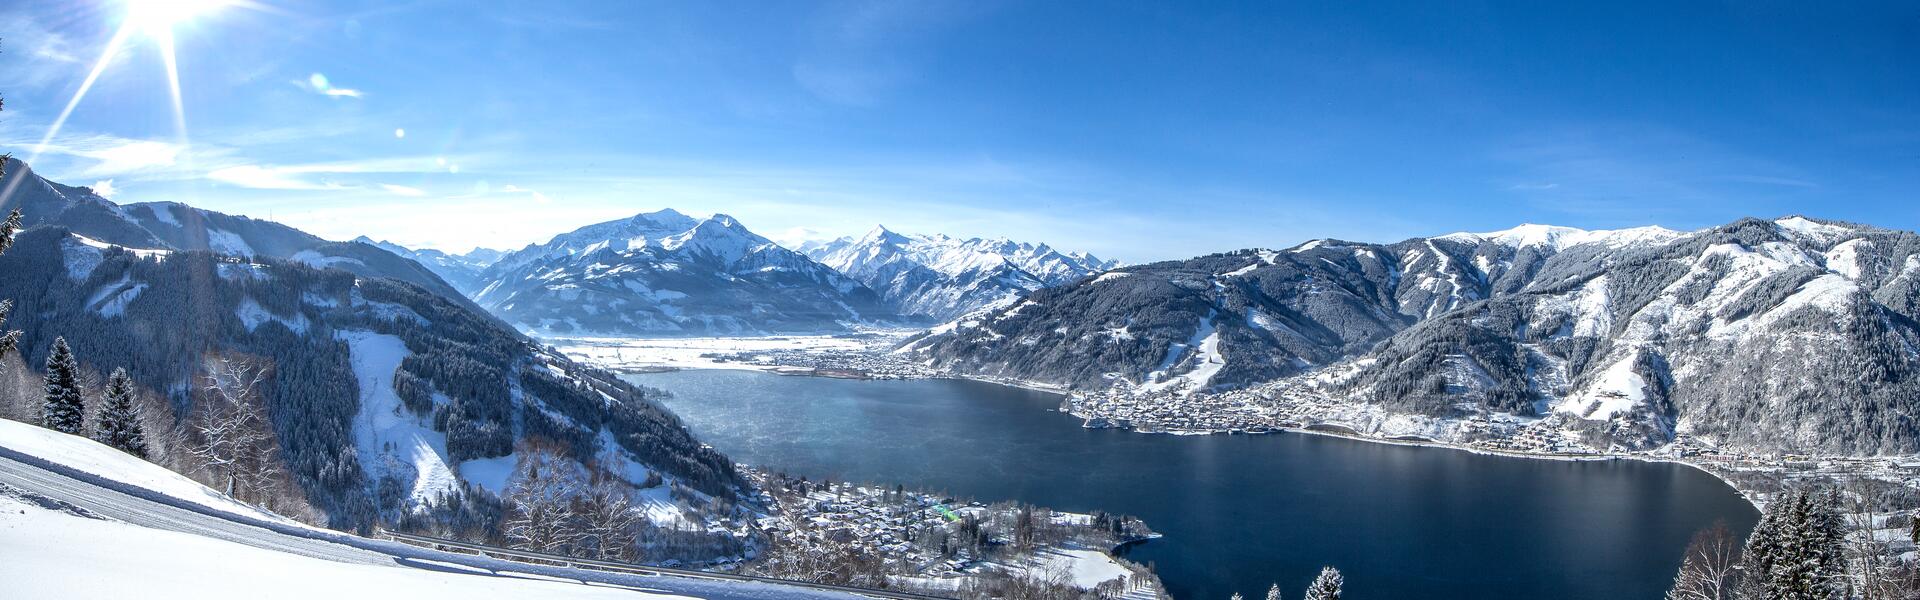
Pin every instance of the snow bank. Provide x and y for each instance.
(96, 558)
(92, 457)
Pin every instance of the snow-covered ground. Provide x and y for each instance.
(1085, 567)
(81, 520)
(49, 553)
(86, 455)
(392, 441)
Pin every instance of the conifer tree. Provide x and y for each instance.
(7, 338)
(1273, 593)
(1237, 596)
(7, 229)
(1326, 586)
(64, 410)
(119, 419)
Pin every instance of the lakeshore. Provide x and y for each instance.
(1239, 512)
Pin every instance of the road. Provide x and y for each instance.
(124, 502)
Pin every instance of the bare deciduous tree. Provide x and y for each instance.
(540, 499)
(611, 520)
(232, 438)
(1707, 571)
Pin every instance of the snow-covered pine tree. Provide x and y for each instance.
(1273, 592)
(1823, 539)
(1326, 586)
(1237, 596)
(7, 229)
(119, 424)
(1763, 548)
(64, 410)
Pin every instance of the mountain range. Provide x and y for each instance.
(941, 277)
(665, 273)
(1788, 334)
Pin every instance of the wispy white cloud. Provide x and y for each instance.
(401, 190)
(537, 196)
(105, 189)
(269, 178)
(318, 83)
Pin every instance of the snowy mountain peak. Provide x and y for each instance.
(1818, 230)
(881, 235)
(1558, 238)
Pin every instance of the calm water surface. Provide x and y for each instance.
(1239, 512)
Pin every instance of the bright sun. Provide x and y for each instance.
(155, 19)
(158, 16)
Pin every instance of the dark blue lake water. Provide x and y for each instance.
(1239, 512)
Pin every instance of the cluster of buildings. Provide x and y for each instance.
(859, 364)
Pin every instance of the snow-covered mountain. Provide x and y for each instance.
(665, 273)
(1794, 333)
(943, 277)
(388, 398)
(175, 226)
(460, 270)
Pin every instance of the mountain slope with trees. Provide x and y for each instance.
(1790, 334)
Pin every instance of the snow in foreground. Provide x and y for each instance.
(98, 558)
(85, 455)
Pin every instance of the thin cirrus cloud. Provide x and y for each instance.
(319, 84)
(269, 178)
(322, 176)
(537, 196)
(401, 190)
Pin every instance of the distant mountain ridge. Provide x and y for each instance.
(1794, 333)
(460, 270)
(175, 226)
(665, 273)
(943, 277)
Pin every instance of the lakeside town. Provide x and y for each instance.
(895, 538)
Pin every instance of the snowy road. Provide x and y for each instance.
(134, 505)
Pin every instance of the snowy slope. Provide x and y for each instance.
(150, 563)
(81, 520)
(92, 457)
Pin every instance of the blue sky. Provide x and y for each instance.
(1139, 131)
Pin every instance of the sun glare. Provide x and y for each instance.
(159, 16)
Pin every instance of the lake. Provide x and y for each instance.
(1239, 512)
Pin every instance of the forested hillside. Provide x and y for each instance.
(382, 401)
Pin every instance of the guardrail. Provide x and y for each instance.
(569, 561)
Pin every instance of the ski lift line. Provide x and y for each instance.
(571, 562)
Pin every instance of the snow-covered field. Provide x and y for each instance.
(1084, 567)
(687, 353)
